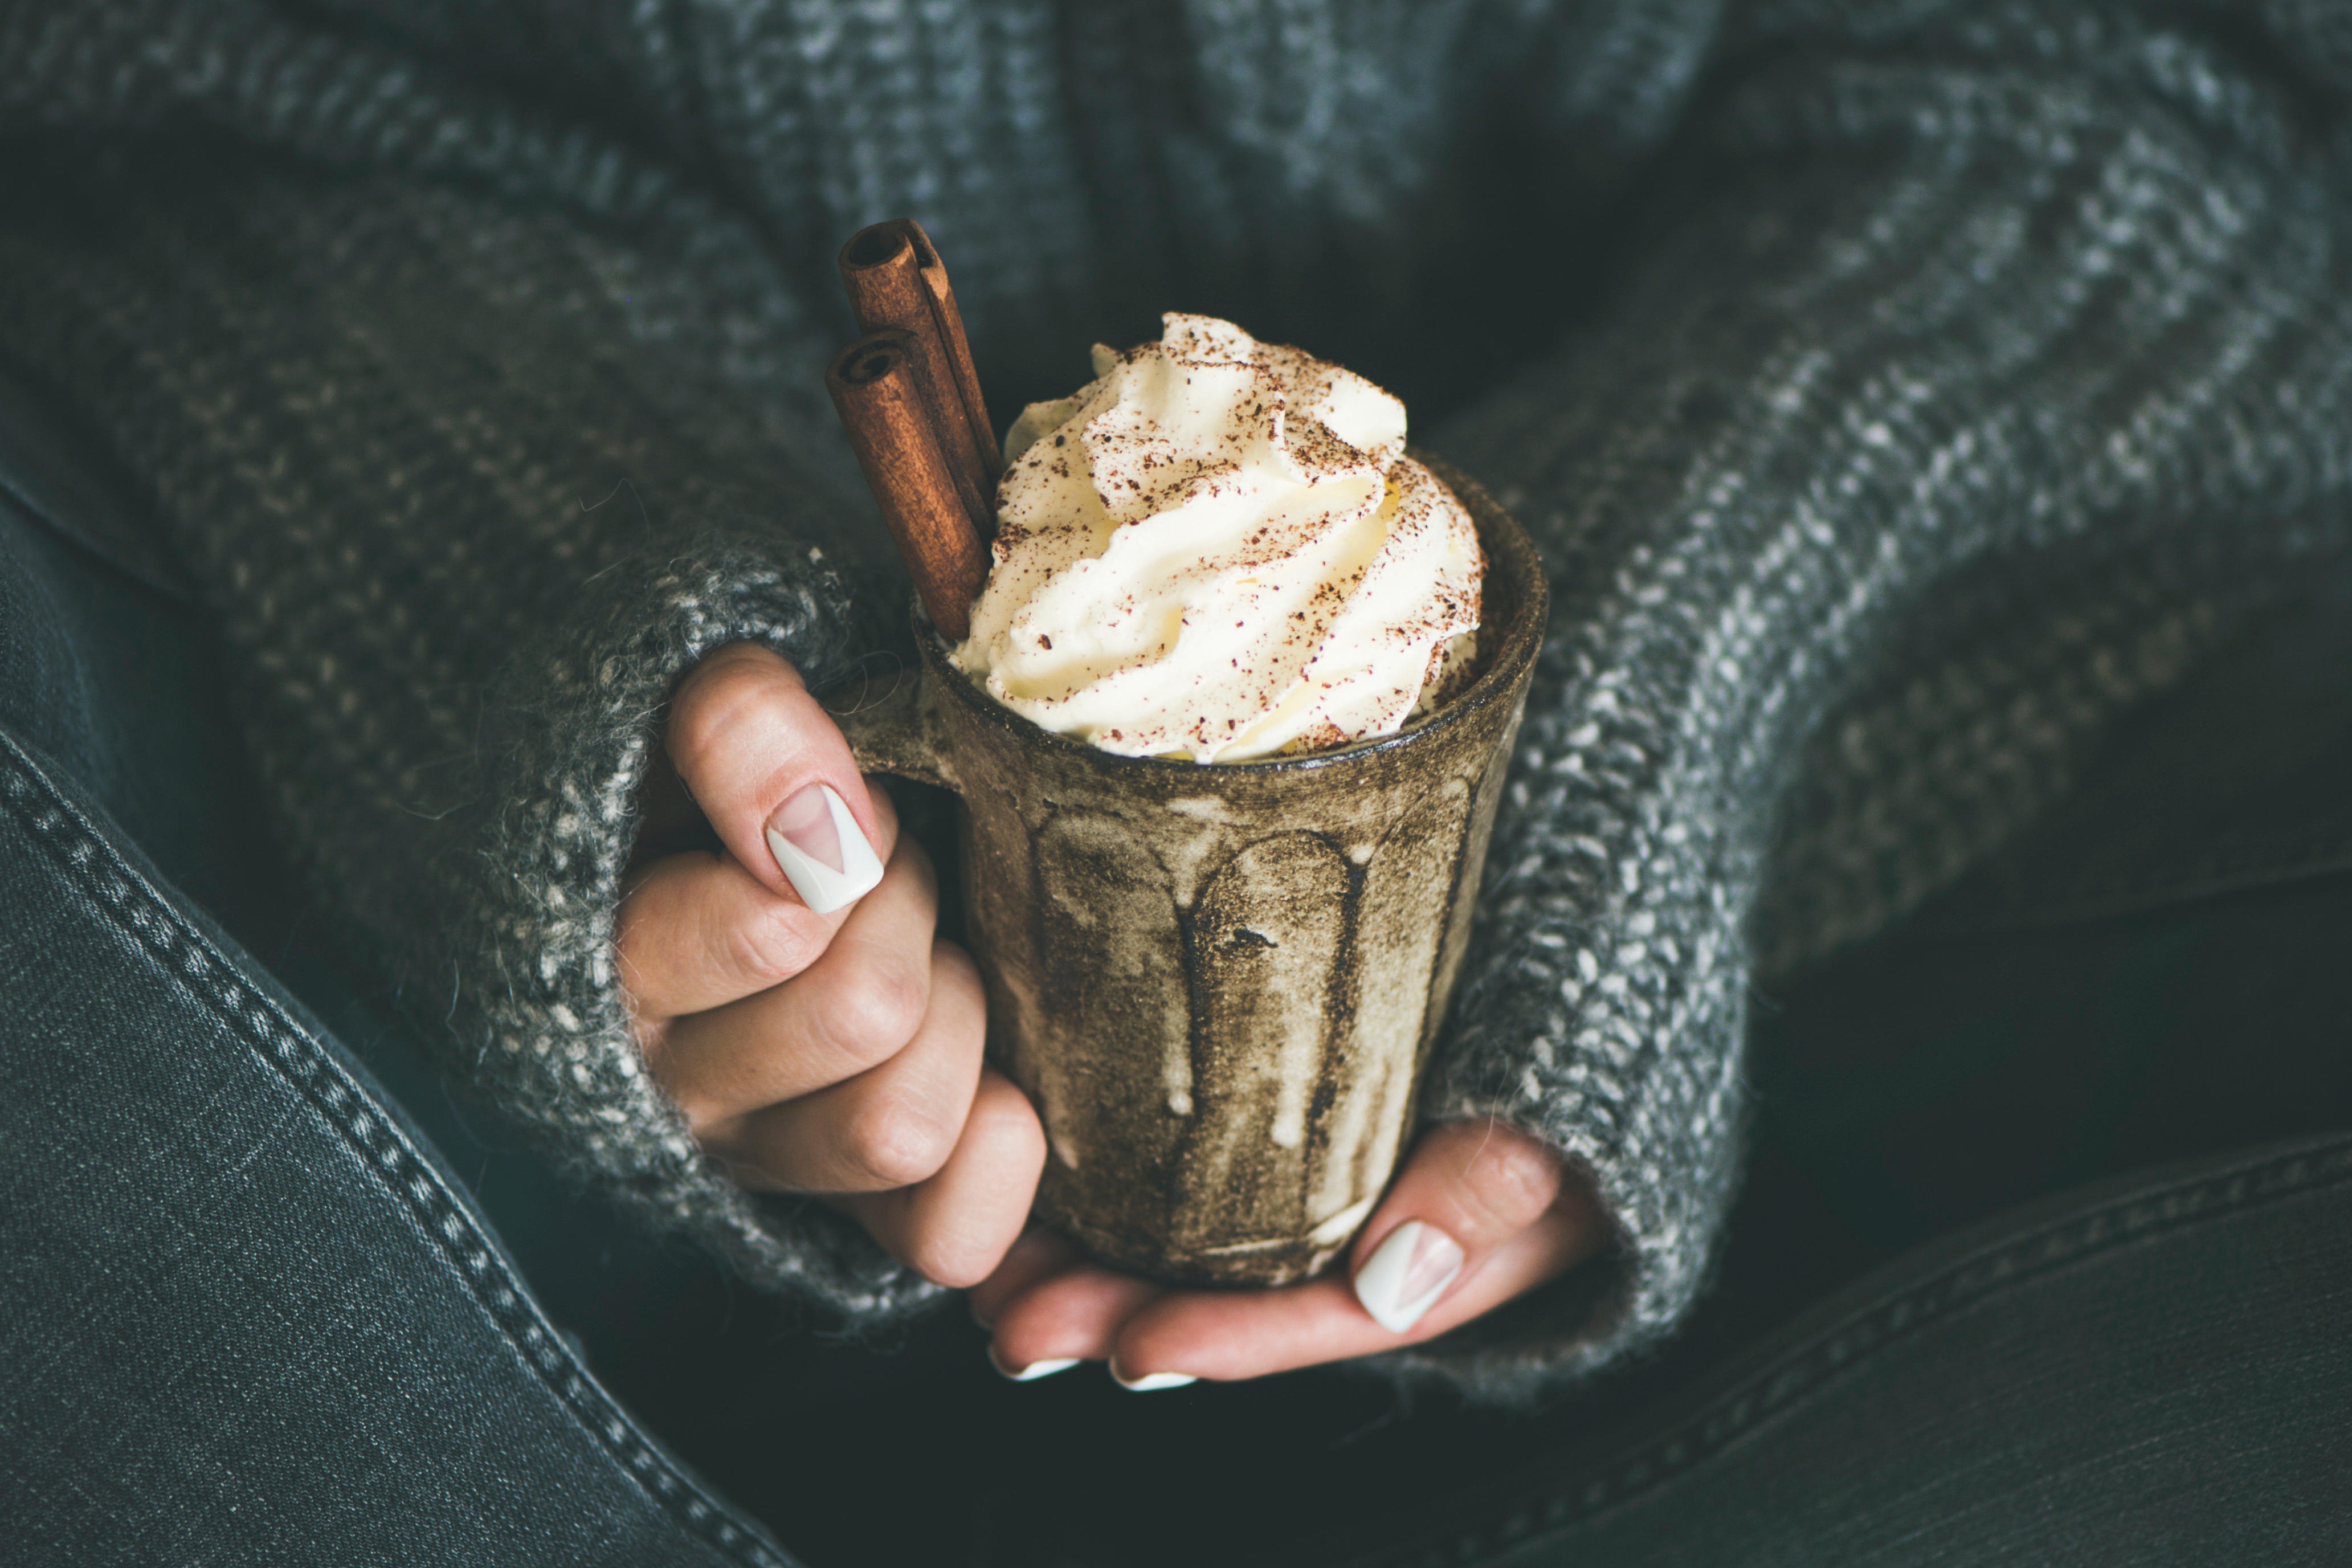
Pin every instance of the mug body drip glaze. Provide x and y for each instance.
(1219, 982)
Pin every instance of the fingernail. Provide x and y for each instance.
(1034, 1371)
(818, 848)
(1407, 1273)
(1151, 1382)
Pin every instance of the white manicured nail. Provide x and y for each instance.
(1151, 1382)
(1407, 1273)
(1035, 1370)
(817, 845)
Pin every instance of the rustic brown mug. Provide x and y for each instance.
(1220, 982)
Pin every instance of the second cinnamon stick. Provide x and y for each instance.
(882, 269)
(967, 374)
(875, 390)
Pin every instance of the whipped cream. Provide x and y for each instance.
(1218, 548)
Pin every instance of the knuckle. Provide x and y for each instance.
(716, 700)
(1511, 1180)
(774, 945)
(895, 1143)
(877, 1011)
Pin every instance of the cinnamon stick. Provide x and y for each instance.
(875, 391)
(882, 269)
(967, 374)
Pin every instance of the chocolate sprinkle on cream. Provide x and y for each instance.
(1234, 558)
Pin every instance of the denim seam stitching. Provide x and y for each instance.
(286, 1047)
(1814, 1366)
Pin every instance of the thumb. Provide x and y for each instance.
(771, 770)
(1470, 1189)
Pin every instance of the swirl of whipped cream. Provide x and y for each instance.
(1218, 548)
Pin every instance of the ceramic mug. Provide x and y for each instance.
(1219, 982)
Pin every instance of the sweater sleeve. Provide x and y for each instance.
(469, 483)
(1966, 378)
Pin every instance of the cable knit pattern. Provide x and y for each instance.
(1944, 379)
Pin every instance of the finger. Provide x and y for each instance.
(1071, 1316)
(853, 1009)
(1479, 1213)
(1500, 1190)
(890, 1126)
(1225, 1336)
(1467, 1188)
(955, 1228)
(772, 772)
(1036, 1257)
(697, 930)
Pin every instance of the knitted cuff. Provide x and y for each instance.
(540, 1010)
(1619, 1048)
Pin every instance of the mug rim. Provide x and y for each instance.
(1498, 531)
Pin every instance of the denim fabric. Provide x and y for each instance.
(2152, 1372)
(246, 1312)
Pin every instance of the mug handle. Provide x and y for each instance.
(893, 726)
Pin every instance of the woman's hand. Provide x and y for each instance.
(790, 995)
(1480, 1213)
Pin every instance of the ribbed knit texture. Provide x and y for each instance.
(1902, 391)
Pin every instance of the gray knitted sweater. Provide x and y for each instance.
(1897, 390)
